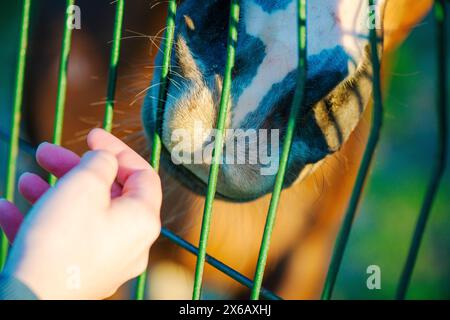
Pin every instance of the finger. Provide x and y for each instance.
(129, 160)
(99, 139)
(56, 159)
(32, 186)
(129, 163)
(143, 187)
(94, 175)
(137, 222)
(10, 219)
(116, 190)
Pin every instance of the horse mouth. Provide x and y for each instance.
(192, 182)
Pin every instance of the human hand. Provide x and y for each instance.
(91, 232)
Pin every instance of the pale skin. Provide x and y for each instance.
(98, 222)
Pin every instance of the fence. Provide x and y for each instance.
(256, 285)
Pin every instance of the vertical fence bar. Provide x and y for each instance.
(290, 130)
(441, 157)
(62, 79)
(377, 119)
(10, 178)
(156, 144)
(218, 145)
(113, 65)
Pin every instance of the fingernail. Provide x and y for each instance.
(23, 176)
(42, 145)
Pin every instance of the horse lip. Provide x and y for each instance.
(192, 182)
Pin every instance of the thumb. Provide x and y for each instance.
(96, 172)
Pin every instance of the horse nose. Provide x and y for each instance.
(189, 118)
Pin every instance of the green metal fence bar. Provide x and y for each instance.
(441, 157)
(218, 145)
(290, 130)
(113, 65)
(377, 118)
(267, 294)
(10, 179)
(24, 145)
(156, 144)
(62, 80)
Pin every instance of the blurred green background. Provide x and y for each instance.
(393, 195)
(392, 198)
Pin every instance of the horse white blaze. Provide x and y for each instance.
(331, 23)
